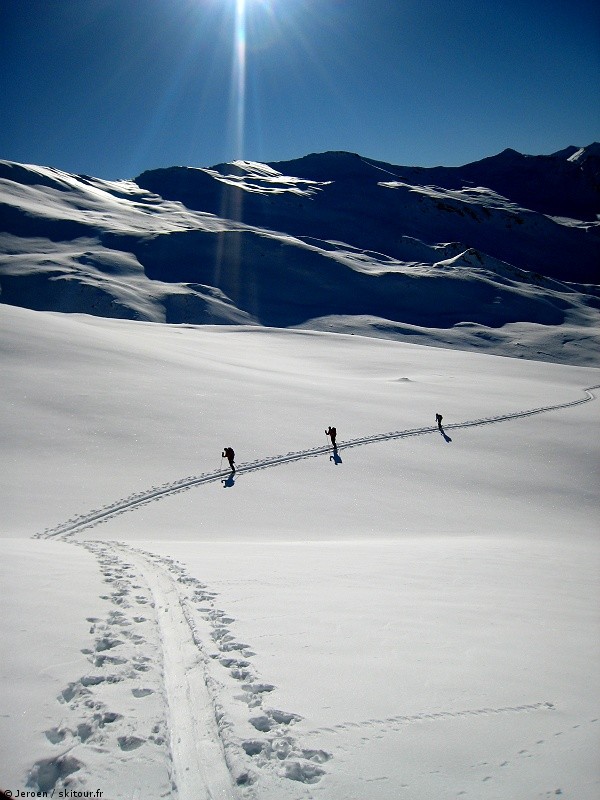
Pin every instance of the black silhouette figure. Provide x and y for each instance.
(229, 455)
(332, 433)
(438, 419)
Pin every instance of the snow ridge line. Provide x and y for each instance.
(97, 516)
(425, 717)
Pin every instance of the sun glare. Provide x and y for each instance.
(254, 28)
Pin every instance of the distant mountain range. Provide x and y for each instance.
(502, 254)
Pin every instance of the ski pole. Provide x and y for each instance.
(221, 466)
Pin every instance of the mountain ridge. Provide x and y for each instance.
(583, 191)
(447, 255)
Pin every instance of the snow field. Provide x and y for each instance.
(416, 620)
(466, 655)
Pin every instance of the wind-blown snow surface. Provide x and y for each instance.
(415, 617)
(500, 255)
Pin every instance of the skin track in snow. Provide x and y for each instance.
(97, 516)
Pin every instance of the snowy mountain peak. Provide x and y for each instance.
(588, 159)
(242, 168)
(581, 154)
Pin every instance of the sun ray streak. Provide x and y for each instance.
(229, 250)
(239, 76)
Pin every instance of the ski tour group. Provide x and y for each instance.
(331, 432)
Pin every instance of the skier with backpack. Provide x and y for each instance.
(332, 433)
(229, 455)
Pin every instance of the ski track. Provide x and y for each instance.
(100, 515)
(199, 767)
(393, 723)
(201, 654)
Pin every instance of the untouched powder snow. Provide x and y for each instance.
(414, 616)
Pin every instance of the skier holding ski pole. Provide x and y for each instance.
(332, 433)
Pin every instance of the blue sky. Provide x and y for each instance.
(113, 87)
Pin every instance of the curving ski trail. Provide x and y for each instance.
(97, 516)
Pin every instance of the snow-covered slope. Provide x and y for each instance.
(500, 255)
(413, 617)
